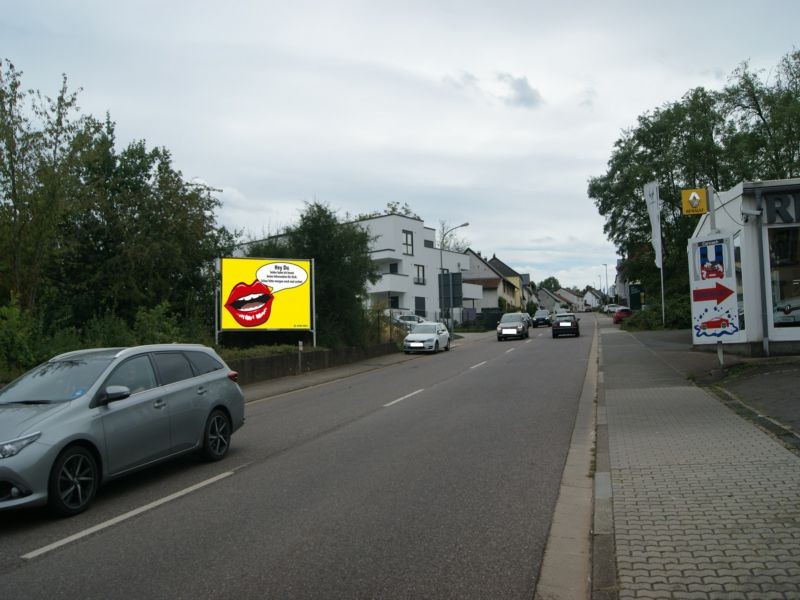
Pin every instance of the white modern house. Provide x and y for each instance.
(754, 243)
(410, 263)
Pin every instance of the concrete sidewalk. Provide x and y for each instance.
(704, 503)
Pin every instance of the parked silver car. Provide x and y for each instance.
(427, 337)
(85, 417)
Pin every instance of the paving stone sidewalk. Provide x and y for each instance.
(705, 504)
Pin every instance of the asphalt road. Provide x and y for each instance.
(433, 478)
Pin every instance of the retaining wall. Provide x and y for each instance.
(253, 370)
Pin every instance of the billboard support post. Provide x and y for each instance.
(314, 302)
(217, 302)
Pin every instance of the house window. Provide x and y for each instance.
(408, 243)
(394, 301)
(419, 274)
(393, 268)
(419, 306)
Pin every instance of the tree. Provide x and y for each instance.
(765, 120)
(142, 236)
(392, 208)
(87, 231)
(551, 284)
(748, 131)
(37, 146)
(448, 240)
(343, 267)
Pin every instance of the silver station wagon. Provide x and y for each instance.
(85, 417)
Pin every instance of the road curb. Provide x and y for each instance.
(604, 562)
(565, 573)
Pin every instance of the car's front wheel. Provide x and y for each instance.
(216, 436)
(436, 347)
(73, 482)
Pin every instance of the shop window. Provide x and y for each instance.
(737, 263)
(784, 264)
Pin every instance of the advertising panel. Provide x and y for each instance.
(265, 294)
(712, 278)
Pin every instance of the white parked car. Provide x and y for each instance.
(427, 337)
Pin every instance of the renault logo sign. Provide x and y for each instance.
(695, 201)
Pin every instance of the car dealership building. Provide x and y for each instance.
(756, 244)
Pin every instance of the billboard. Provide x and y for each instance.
(266, 294)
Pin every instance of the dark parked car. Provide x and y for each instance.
(566, 324)
(622, 313)
(89, 416)
(541, 318)
(512, 325)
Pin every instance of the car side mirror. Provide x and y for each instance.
(113, 393)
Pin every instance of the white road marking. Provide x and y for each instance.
(123, 517)
(510, 350)
(406, 397)
(528, 341)
(480, 364)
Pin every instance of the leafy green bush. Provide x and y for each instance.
(156, 326)
(18, 345)
(107, 331)
(678, 315)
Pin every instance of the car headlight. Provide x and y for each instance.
(12, 447)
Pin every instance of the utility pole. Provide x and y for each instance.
(441, 269)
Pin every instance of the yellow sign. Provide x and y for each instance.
(266, 294)
(695, 202)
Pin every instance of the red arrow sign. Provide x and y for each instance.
(719, 292)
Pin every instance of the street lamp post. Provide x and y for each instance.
(606, 266)
(441, 268)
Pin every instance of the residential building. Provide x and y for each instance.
(593, 299)
(551, 301)
(513, 277)
(409, 264)
(573, 300)
(492, 283)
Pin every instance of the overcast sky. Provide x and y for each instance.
(496, 113)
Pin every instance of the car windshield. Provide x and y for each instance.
(425, 328)
(55, 381)
(511, 318)
(542, 313)
(565, 317)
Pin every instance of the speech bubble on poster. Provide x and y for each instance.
(281, 276)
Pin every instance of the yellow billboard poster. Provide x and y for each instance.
(266, 294)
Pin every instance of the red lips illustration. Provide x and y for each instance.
(250, 305)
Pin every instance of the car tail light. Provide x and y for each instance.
(233, 376)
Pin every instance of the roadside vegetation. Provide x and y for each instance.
(104, 243)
